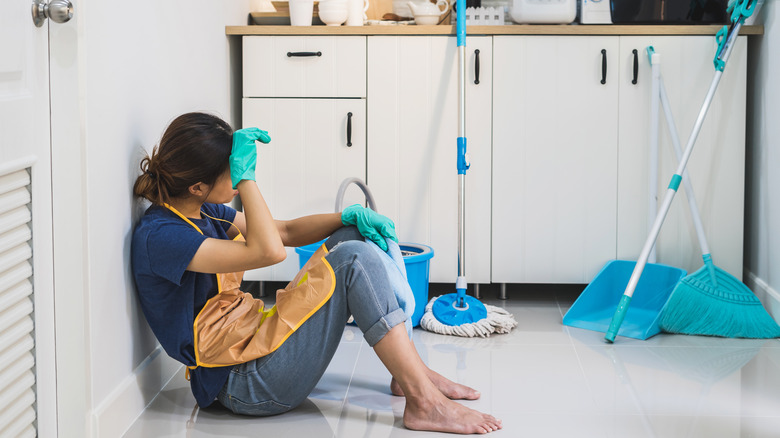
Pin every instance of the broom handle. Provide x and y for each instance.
(674, 184)
(686, 177)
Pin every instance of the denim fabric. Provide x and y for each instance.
(280, 381)
(396, 272)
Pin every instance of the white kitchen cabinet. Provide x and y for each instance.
(555, 154)
(314, 108)
(412, 146)
(716, 166)
(559, 176)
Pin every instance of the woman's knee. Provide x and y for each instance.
(343, 234)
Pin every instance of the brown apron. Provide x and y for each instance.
(234, 327)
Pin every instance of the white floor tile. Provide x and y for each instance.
(542, 380)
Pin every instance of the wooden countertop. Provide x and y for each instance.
(520, 29)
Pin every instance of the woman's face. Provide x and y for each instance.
(222, 192)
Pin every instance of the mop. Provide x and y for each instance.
(710, 301)
(457, 313)
(726, 38)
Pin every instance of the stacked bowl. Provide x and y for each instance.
(333, 12)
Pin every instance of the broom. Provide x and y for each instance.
(726, 38)
(711, 301)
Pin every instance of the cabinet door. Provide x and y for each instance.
(412, 137)
(554, 158)
(716, 166)
(304, 66)
(300, 171)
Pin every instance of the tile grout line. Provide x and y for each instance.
(349, 385)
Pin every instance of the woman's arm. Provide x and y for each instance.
(263, 246)
(301, 231)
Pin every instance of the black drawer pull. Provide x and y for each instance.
(603, 66)
(291, 54)
(476, 67)
(636, 67)
(349, 129)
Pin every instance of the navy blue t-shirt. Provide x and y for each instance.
(170, 296)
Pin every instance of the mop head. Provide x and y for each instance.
(723, 306)
(498, 320)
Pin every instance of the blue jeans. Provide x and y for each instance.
(282, 380)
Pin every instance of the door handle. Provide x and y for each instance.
(603, 66)
(349, 129)
(60, 11)
(636, 67)
(476, 67)
(302, 54)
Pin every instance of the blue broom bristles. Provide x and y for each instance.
(712, 302)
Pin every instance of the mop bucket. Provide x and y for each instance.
(416, 261)
(595, 307)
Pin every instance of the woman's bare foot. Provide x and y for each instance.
(443, 415)
(450, 389)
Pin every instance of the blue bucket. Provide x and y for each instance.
(416, 261)
(595, 307)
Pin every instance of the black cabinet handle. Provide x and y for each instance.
(636, 67)
(476, 67)
(349, 129)
(291, 54)
(603, 66)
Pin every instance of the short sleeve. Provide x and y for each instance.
(171, 247)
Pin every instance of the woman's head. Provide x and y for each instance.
(195, 148)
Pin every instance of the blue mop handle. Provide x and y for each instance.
(460, 25)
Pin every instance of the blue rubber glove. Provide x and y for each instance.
(243, 157)
(370, 224)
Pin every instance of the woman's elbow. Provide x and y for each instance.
(279, 255)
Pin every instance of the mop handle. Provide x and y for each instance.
(674, 184)
(462, 161)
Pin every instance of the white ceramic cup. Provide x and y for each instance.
(357, 12)
(301, 12)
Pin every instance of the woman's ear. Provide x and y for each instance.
(198, 189)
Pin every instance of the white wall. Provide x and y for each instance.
(119, 75)
(762, 197)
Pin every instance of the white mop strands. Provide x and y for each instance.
(498, 320)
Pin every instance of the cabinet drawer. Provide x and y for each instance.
(338, 68)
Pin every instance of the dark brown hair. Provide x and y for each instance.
(194, 148)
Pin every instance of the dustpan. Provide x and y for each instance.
(595, 307)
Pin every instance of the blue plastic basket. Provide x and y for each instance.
(595, 307)
(416, 261)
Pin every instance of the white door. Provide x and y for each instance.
(554, 157)
(413, 130)
(316, 144)
(26, 338)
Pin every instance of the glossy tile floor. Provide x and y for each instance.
(543, 380)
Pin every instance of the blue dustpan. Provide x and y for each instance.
(595, 307)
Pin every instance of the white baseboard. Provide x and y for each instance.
(125, 404)
(768, 296)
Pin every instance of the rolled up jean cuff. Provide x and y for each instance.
(381, 327)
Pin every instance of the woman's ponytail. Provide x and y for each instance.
(195, 148)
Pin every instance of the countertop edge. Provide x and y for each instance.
(520, 29)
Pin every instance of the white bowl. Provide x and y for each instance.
(328, 5)
(425, 20)
(333, 17)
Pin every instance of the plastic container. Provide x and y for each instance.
(595, 307)
(416, 261)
